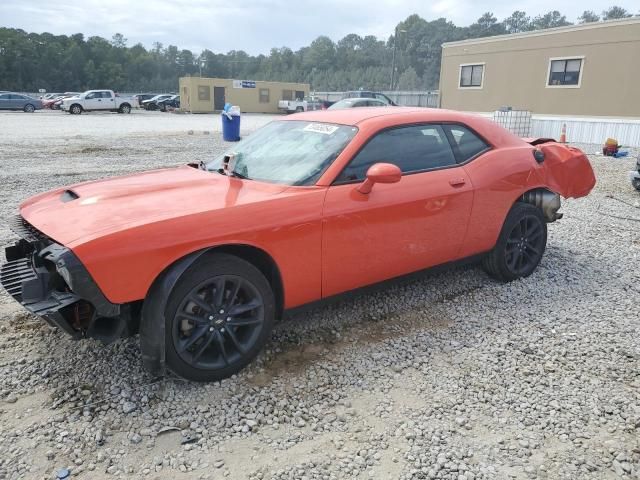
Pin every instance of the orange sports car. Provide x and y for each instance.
(201, 259)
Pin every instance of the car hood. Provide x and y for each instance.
(85, 211)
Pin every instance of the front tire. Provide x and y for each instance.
(520, 245)
(636, 183)
(75, 109)
(218, 317)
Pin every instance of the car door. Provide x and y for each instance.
(92, 101)
(398, 228)
(17, 101)
(5, 101)
(108, 101)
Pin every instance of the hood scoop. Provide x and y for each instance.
(68, 196)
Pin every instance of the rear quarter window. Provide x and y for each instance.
(465, 142)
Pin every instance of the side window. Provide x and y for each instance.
(413, 149)
(4, 96)
(466, 143)
(91, 95)
(106, 94)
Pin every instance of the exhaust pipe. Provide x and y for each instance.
(545, 200)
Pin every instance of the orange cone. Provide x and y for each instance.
(563, 133)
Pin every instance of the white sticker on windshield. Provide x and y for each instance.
(321, 128)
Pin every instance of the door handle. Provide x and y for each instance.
(457, 182)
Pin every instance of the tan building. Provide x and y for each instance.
(591, 69)
(205, 95)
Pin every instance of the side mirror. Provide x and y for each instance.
(380, 173)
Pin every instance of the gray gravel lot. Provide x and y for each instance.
(451, 376)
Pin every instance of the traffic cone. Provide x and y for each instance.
(563, 133)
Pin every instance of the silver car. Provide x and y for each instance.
(17, 101)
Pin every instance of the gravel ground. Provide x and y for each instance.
(451, 376)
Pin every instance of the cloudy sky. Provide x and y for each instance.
(257, 25)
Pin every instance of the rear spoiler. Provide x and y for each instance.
(538, 141)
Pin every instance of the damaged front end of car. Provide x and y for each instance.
(51, 282)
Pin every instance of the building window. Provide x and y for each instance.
(565, 72)
(471, 76)
(287, 94)
(204, 93)
(264, 95)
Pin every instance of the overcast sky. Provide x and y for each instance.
(257, 25)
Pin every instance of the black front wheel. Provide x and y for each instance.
(218, 318)
(520, 245)
(636, 183)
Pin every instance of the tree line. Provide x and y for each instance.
(30, 61)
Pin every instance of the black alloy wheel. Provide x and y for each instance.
(520, 246)
(219, 316)
(524, 245)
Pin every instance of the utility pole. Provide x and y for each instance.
(393, 56)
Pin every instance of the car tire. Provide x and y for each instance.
(29, 108)
(299, 109)
(218, 317)
(636, 183)
(124, 108)
(75, 109)
(520, 246)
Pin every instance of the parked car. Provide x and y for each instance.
(97, 100)
(49, 96)
(202, 259)
(17, 101)
(369, 94)
(54, 103)
(152, 103)
(303, 105)
(358, 102)
(172, 102)
(634, 176)
(141, 97)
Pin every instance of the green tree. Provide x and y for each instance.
(549, 20)
(517, 22)
(588, 16)
(615, 12)
(409, 80)
(486, 26)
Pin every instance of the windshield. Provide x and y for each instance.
(288, 152)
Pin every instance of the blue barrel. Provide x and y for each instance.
(230, 128)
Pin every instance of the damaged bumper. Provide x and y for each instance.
(51, 282)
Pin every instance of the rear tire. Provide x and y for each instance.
(636, 183)
(520, 245)
(28, 108)
(299, 109)
(218, 317)
(125, 108)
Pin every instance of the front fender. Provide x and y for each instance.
(152, 323)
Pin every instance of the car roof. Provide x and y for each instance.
(389, 116)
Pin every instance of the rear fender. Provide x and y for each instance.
(567, 170)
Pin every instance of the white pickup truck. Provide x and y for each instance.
(293, 106)
(97, 100)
